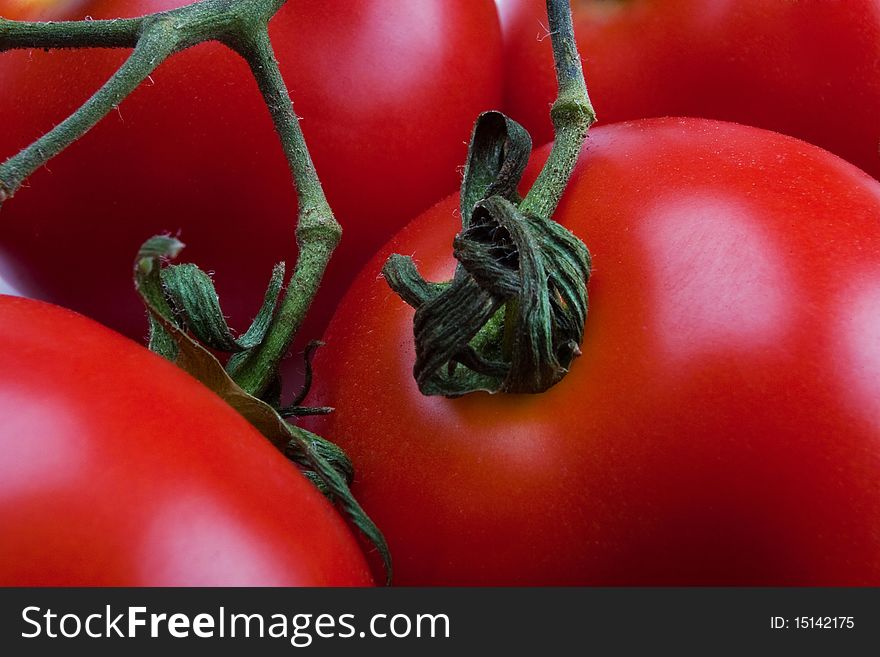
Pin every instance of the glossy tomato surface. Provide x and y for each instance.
(387, 92)
(119, 469)
(723, 424)
(810, 68)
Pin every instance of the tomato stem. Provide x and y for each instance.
(252, 372)
(512, 317)
(572, 115)
(242, 26)
(151, 50)
(117, 33)
(317, 231)
(154, 37)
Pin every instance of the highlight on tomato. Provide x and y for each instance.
(720, 425)
(119, 469)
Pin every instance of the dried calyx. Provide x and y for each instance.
(512, 317)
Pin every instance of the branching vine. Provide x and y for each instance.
(510, 320)
(185, 314)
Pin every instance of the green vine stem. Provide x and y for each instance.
(521, 281)
(572, 114)
(242, 26)
(512, 317)
(317, 231)
(151, 50)
(185, 315)
(116, 33)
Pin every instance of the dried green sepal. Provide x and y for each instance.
(512, 317)
(323, 462)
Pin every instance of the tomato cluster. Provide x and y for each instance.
(721, 425)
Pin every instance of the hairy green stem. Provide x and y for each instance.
(117, 33)
(572, 115)
(317, 230)
(153, 38)
(242, 26)
(151, 50)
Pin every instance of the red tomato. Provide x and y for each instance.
(387, 91)
(723, 424)
(119, 469)
(810, 68)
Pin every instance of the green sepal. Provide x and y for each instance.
(322, 461)
(148, 281)
(330, 452)
(512, 317)
(497, 156)
(196, 306)
(402, 275)
(543, 269)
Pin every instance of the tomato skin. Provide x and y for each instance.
(387, 92)
(721, 427)
(119, 469)
(810, 68)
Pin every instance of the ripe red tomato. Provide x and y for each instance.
(119, 469)
(810, 69)
(387, 92)
(722, 424)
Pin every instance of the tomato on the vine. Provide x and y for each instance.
(386, 91)
(119, 469)
(721, 426)
(810, 69)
